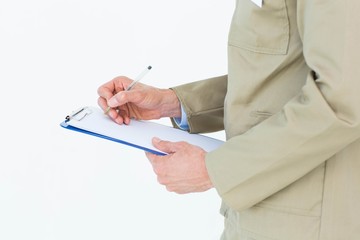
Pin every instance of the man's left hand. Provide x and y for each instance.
(183, 170)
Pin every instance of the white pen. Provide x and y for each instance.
(141, 75)
(136, 80)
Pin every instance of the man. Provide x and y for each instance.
(290, 168)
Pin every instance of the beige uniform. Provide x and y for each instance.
(290, 106)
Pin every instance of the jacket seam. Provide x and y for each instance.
(257, 234)
(288, 210)
(322, 200)
(198, 113)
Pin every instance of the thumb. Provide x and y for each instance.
(165, 146)
(115, 100)
(122, 98)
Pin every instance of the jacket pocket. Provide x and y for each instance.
(261, 30)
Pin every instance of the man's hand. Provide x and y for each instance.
(183, 170)
(142, 102)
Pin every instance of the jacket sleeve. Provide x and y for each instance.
(203, 102)
(313, 126)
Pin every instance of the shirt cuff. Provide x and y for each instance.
(182, 122)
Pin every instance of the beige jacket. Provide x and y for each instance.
(290, 106)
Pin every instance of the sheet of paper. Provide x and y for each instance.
(258, 2)
(138, 133)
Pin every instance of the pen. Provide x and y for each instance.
(136, 80)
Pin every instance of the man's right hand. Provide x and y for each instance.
(142, 102)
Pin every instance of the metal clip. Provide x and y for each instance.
(78, 114)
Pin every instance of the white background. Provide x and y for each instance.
(54, 54)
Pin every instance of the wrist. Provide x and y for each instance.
(170, 106)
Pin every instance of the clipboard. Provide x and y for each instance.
(138, 134)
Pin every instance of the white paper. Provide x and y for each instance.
(139, 133)
(258, 2)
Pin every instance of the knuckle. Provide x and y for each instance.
(119, 78)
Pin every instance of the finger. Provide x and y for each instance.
(123, 115)
(112, 113)
(156, 163)
(107, 90)
(176, 189)
(151, 157)
(116, 115)
(112, 87)
(123, 97)
(186, 188)
(102, 103)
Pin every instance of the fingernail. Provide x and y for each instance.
(156, 139)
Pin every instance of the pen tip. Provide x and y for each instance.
(149, 67)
